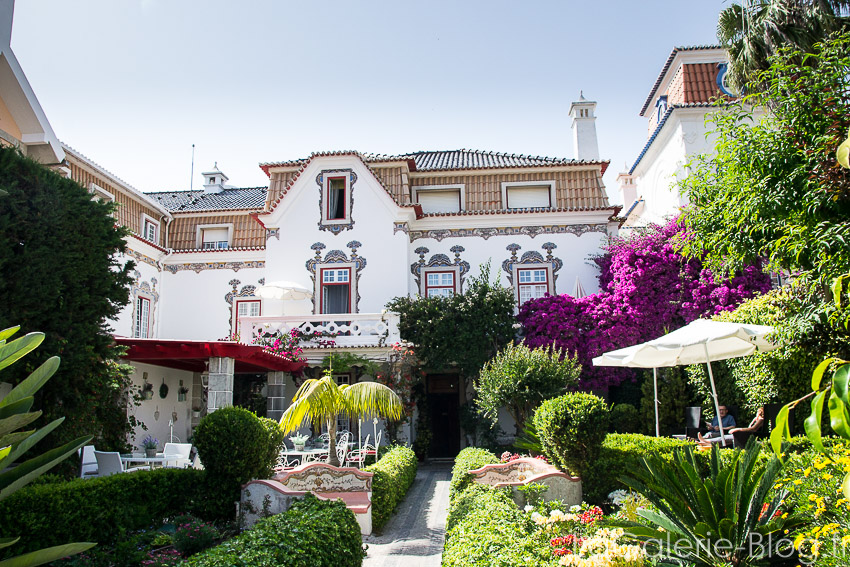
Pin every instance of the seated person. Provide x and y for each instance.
(727, 420)
(755, 425)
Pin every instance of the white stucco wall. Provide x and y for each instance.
(145, 412)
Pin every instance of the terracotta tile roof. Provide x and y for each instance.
(700, 82)
(237, 198)
(444, 160)
(666, 67)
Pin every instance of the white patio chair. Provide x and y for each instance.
(355, 458)
(109, 463)
(325, 438)
(342, 453)
(176, 453)
(88, 468)
(315, 458)
(285, 463)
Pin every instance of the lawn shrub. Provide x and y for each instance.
(233, 444)
(625, 418)
(312, 533)
(467, 460)
(275, 444)
(392, 476)
(105, 509)
(571, 429)
(490, 531)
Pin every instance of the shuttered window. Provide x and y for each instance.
(528, 197)
(439, 201)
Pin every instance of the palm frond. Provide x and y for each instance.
(316, 402)
(371, 399)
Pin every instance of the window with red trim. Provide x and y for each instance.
(532, 283)
(440, 283)
(141, 325)
(335, 294)
(246, 308)
(336, 201)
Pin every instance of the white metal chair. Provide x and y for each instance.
(325, 438)
(356, 458)
(315, 458)
(109, 463)
(342, 453)
(284, 463)
(177, 453)
(88, 468)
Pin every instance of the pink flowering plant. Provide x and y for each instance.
(289, 345)
(647, 289)
(193, 535)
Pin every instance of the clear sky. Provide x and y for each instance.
(133, 84)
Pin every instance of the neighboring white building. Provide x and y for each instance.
(676, 110)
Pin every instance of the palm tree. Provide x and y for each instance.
(757, 29)
(321, 401)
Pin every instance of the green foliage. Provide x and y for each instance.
(468, 459)
(343, 361)
(312, 533)
(715, 520)
(571, 429)
(519, 379)
(528, 440)
(15, 414)
(86, 509)
(60, 254)
(488, 530)
(233, 444)
(481, 319)
(674, 395)
(274, 445)
(392, 476)
(193, 535)
(772, 188)
(424, 435)
(625, 418)
(478, 430)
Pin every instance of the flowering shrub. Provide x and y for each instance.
(288, 345)
(192, 535)
(604, 549)
(507, 457)
(646, 288)
(167, 557)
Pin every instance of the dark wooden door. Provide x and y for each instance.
(444, 403)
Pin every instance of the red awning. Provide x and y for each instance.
(192, 355)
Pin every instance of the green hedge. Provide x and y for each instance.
(104, 509)
(571, 429)
(312, 533)
(393, 475)
(469, 459)
(492, 531)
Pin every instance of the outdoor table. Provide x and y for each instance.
(303, 453)
(127, 458)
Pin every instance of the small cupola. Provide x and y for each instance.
(214, 180)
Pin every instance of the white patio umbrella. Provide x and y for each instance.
(578, 289)
(700, 341)
(283, 290)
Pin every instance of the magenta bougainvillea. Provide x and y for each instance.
(646, 290)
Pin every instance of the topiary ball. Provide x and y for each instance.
(233, 444)
(571, 429)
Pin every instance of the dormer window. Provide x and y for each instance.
(150, 229)
(214, 236)
(528, 195)
(336, 198)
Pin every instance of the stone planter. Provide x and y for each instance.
(150, 452)
(299, 447)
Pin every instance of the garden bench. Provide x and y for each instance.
(262, 498)
(526, 470)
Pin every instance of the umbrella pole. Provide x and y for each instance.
(655, 384)
(714, 395)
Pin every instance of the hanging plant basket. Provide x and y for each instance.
(163, 390)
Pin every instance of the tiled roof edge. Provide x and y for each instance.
(666, 67)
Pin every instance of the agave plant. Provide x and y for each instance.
(724, 519)
(15, 414)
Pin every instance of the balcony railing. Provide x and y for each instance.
(345, 329)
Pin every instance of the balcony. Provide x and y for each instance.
(345, 329)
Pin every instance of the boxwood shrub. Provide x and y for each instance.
(312, 533)
(393, 475)
(103, 510)
(571, 429)
(468, 459)
(492, 531)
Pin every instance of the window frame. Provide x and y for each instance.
(137, 317)
(423, 279)
(326, 189)
(320, 284)
(506, 185)
(236, 302)
(427, 287)
(517, 268)
(147, 219)
(199, 235)
(460, 187)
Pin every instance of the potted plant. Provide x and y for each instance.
(149, 444)
(298, 441)
(196, 410)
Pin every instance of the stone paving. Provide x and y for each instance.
(414, 535)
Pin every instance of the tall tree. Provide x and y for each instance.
(755, 30)
(61, 273)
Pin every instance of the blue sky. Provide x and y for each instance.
(133, 84)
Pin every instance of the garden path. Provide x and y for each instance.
(414, 535)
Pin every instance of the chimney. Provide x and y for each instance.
(628, 190)
(585, 145)
(214, 180)
(7, 10)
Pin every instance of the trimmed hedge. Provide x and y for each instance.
(467, 460)
(104, 509)
(312, 533)
(492, 531)
(571, 429)
(392, 476)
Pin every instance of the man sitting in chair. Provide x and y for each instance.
(754, 426)
(727, 420)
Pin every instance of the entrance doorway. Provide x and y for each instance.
(443, 403)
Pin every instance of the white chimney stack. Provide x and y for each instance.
(585, 145)
(214, 180)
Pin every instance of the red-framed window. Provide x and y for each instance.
(141, 326)
(440, 283)
(246, 308)
(532, 283)
(336, 203)
(335, 293)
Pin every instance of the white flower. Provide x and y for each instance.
(575, 508)
(528, 508)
